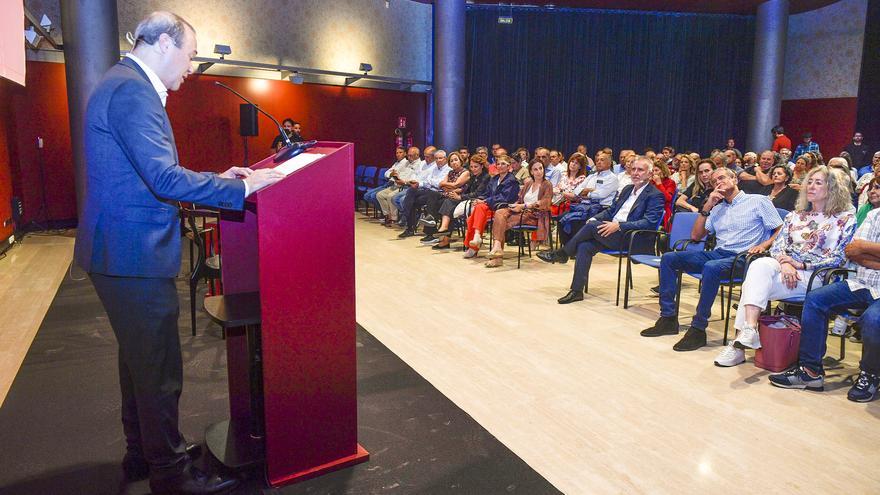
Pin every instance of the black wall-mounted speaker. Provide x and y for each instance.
(248, 125)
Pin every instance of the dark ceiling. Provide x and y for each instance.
(705, 6)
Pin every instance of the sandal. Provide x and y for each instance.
(494, 263)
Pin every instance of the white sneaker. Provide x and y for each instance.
(748, 338)
(730, 356)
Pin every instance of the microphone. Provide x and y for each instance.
(290, 149)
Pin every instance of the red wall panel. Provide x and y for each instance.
(205, 121)
(5, 159)
(831, 120)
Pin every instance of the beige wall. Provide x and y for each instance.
(322, 34)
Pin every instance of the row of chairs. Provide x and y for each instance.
(366, 177)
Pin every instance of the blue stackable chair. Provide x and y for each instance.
(864, 170)
(366, 178)
(678, 239)
(377, 180)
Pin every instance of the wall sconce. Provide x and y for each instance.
(363, 67)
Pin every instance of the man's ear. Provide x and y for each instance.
(164, 43)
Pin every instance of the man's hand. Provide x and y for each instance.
(714, 198)
(261, 178)
(517, 207)
(414, 184)
(855, 248)
(757, 249)
(608, 228)
(454, 195)
(790, 276)
(569, 196)
(236, 173)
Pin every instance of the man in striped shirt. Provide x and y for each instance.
(740, 222)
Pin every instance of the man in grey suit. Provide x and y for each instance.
(129, 242)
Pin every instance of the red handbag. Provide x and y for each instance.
(780, 340)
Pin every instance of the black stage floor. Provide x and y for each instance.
(60, 431)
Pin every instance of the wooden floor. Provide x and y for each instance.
(29, 278)
(573, 390)
(587, 402)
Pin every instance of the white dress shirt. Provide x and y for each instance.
(603, 185)
(627, 205)
(157, 83)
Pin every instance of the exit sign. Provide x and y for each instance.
(505, 20)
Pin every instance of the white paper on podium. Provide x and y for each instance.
(298, 162)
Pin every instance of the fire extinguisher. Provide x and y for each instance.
(403, 137)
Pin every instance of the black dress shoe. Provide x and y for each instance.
(555, 256)
(572, 296)
(692, 340)
(193, 481)
(429, 237)
(406, 233)
(666, 325)
(441, 246)
(136, 468)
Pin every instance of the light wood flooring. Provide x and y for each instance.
(573, 390)
(587, 402)
(29, 278)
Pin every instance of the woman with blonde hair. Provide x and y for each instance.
(684, 177)
(812, 237)
(693, 197)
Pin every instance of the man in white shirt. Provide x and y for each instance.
(602, 186)
(399, 160)
(400, 174)
(417, 191)
(639, 207)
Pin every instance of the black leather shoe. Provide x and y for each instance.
(406, 233)
(666, 325)
(438, 247)
(136, 468)
(692, 340)
(572, 296)
(193, 482)
(555, 256)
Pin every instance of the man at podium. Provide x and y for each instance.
(129, 242)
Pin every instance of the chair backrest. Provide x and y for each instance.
(864, 170)
(782, 212)
(680, 230)
(369, 176)
(359, 174)
(380, 176)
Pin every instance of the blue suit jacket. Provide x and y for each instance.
(645, 214)
(129, 225)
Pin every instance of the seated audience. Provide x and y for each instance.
(866, 178)
(750, 159)
(455, 180)
(543, 155)
(639, 206)
(684, 176)
(739, 222)
(532, 207)
(420, 188)
(457, 204)
(623, 178)
(399, 175)
(563, 193)
(386, 181)
(501, 191)
(807, 146)
(839, 163)
(465, 155)
(666, 186)
(798, 172)
(694, 196)
(873, 191)
(756, 179)
(780, 193)
(859, 291)
(812, 237)
(594, 194)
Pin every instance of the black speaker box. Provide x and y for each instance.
(248, 125)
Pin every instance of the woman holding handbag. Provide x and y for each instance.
(812, 237)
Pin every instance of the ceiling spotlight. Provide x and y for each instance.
(222, 50)
(365, 67)
(33, 39)
(46, 23)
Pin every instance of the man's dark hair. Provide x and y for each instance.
(288, 119)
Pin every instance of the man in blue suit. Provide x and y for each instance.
(129, 241)
(639, 206)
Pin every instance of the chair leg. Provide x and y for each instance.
(619, 267)
(729, 307)
(192, 305)
(678, 295)
(627, 283)
(842, 346)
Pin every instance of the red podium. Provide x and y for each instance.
(289, 307)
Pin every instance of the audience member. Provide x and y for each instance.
(595, 194)
(640, 206)
(398, 175)
(666, 186)
(780, 140)
(780, 193)
(399, 161)
(399, 198)
(684, 176)
(420, 188)
(563, 193)
(501, 191)
(756, 179)
(739, 222)
(866, 178)
(807, 146)
(532, 207)
(731, 145)
(873, 192)
(694, 196)
(857, 292)
(465, 155)
(813, 237)
(623, 178)
(858, 151)
(458, 176)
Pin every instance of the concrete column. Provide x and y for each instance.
(91, 46)
(771, 32)
(449, 63)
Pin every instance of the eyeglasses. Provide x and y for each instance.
(873, 186)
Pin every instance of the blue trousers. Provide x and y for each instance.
(401, 206)
(370, 195)
(714, 266)
(836, 298)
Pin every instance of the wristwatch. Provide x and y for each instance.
(705, 213)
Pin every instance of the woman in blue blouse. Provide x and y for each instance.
(812, 237)
(503, 190)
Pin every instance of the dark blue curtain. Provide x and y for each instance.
(620, 79)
